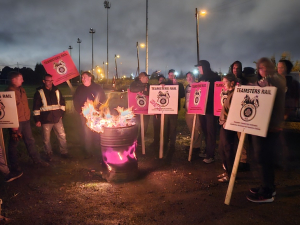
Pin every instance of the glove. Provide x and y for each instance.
(16, 135)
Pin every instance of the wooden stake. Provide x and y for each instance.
(143, 133)
(3, 146)
(192, 139)
(161, 147)
(70, 86)
(235, 168)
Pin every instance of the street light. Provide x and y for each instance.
(202, 13)
(116, 56)
(92, 31)
(142, 45)
(70, 48)
(107, 6)
(79, 41)
(146, 36)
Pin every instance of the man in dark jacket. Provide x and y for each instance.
(48, 109)
(88, 91)
(140, 84)
(208, 121)
(171, 119)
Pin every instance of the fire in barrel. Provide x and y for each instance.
(118, 140)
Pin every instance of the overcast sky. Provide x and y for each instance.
(245, 30)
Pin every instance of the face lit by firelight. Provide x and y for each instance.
(190, 78)
(228, 86)
(236, 69)
(17, 81)
(281, 69)
(86, 80)
(263, 70)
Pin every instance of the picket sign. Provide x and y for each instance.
(197, 105)
(2, 144)
(143, 134)
(250, 113)
(163, 100)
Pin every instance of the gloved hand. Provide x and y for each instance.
(16, 135)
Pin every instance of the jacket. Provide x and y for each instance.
(22, 103)
(225, 108)
(138, 86)
(83, 93)
(181, 92)
(48, 105)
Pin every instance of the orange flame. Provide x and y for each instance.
(96, 120)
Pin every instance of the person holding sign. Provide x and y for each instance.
(88, 91)
(140, 84)
(208, 121)
(24, 130)
(227, 143)
(264, 147)
(48, 109)
(171, 119)
(190, 117)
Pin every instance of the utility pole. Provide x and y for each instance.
(79, 41)
(147, 36)
(107, 5)
(92, 31)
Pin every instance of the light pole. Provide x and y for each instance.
(138, 56)
(70, 48)
(116, 56)
(79, 41)
(147, 36)
(107, 5)
(92, 31)
(202, 13)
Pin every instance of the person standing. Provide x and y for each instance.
(141, 85)
(189, 118)
(264, 147)
(208, 121)
(236, 69)
(171, 119)
(24, 130)
(88, 91)
(48, 109)
(8, 176)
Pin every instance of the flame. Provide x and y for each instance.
(96, 120)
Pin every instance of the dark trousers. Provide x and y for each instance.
(25, 130)
(265, 152)
(170, 126)
(146, 123)
(227, 148)
(156, 128)
(91, 138)
(208, 126)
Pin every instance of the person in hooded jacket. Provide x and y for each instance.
(208, 121)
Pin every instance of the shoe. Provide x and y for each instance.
(222, 175)
(12, 176)
(65, 156)
(260, 197)
(202, 155)
(210, 160)
(256, 190)
(224, 179)
(41, 163)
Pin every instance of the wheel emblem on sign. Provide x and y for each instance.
(249, 106)
(197, 96)
(2, 112)
(141, 100)
(163, 98)
(223, 96)
(60, 67)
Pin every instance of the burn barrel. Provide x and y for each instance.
(118, 145)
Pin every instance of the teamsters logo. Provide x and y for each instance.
(2, 112)
(60, 67)
(163, 98)
(249, 106)
(197, 96)
(141, 100)
(223, 96)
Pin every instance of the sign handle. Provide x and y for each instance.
(143, 134)
(3, 146)
(192, 139)
(70, 86)
(235, 168)
(161, 147)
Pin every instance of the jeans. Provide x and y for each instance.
(60, 134)
(265, 152)
(3, 167)
(25, 130)
(156, 128)
(208, 126)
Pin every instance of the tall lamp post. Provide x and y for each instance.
(138, 56)
(70, 48)
(147, 36)
(202, 13)
(79, 41)
(116, 56)
(107, 5)
(92, 31)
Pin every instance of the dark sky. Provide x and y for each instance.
(245, 30)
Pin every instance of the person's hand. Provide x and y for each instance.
(16, 135)
(224, 125)
(38, 124)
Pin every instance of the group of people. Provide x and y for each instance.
(263, 148)
(49, 108)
